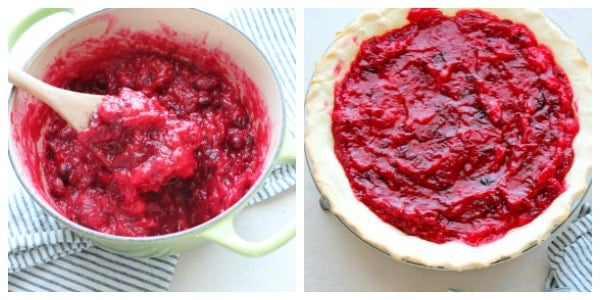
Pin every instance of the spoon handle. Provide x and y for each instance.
(30, 84)
(75, 108)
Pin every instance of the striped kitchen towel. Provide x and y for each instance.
(44, 256)
(570, 255)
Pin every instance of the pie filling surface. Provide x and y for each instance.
(455, 128)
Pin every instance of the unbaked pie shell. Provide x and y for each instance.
(332, 183)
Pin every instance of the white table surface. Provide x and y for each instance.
(335, 260)
(208, 267)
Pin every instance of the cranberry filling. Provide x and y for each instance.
(181, 150)
(455, 128)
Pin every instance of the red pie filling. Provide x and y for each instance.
(184, 148)
(455, 128)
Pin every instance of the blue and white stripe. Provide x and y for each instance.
(570, 255)
(44, 256)
(95, 269)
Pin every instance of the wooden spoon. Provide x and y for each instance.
(75, 108)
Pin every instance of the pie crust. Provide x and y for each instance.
(332, 183)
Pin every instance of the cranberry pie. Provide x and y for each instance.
(451, 138)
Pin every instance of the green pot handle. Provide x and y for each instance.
(287, 152)
(29, 21)
(224, 233)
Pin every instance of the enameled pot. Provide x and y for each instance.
(186, 24)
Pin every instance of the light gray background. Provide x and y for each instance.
(335, 260)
